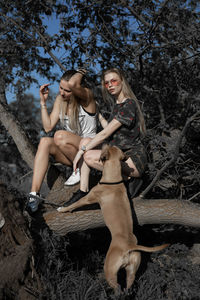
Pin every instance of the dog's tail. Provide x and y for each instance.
(148, 249)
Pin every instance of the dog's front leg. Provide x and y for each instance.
(83, 201)
(89, 199)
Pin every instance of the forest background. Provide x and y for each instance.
(156, 43)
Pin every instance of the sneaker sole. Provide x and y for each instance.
(66, 183)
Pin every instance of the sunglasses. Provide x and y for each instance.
(113, 82)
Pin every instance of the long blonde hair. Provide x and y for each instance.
(128, 93)
(75, 106)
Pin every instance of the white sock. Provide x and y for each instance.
(34, 194)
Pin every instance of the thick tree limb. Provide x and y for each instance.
(24, 145)
(19, 136)
(148, 211)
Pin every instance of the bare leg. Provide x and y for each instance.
(45, 148)
(128, 170)
(84, 169)
(85, 174)
(67, 142)
(84, 178)
(91, 157)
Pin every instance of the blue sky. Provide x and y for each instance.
(52, 28)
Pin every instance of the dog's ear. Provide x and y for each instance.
(123, 157)
(120, 154)
(104, 153)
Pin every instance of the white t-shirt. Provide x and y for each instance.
(87, 123)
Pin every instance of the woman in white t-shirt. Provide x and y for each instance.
(75, 107)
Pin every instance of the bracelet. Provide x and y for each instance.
(83, 148)
(43, 105)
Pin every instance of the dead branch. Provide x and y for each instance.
(174, 155)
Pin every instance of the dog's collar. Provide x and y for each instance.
(118, 182)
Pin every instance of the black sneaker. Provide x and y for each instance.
(133, 185)
(76, 196)
(33, 202)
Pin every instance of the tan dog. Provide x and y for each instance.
(112, 197)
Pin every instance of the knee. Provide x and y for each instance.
(45, 143)
(88, 158)
(59, 138)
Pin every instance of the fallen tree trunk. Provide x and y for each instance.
(146, 211)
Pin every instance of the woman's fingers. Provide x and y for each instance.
(44, 88)
(76, 159)
(44, 91)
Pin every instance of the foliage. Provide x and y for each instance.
(167, 278)
(156, 43)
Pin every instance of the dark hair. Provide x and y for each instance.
(86, 81)
(67, 75)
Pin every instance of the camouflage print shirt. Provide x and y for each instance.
(127, 135)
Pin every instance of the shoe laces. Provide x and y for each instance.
(74, 174)
(38, 197)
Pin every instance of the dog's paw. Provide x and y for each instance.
(61, 209)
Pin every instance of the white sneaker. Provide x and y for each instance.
(73, 179)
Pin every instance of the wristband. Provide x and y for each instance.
(43, 105)
(83, 148)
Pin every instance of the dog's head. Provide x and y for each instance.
(111, 152)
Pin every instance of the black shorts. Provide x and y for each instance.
(139, 157)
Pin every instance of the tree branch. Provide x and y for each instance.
(46, 47)
(174, 154)
(19, 136)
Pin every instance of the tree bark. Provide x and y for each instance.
(145, 211)
(18, 134)
(18, 277)
(24, 145)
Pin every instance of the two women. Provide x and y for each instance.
(124, 129)
(75, 107)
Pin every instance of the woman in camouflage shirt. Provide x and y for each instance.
(123, 129)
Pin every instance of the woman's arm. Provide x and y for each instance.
(83, 93)
(48, 121)
(103, 134)
(102, 120)
(98, 139)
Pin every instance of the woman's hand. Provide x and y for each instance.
(44, 93)
(76, 159)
